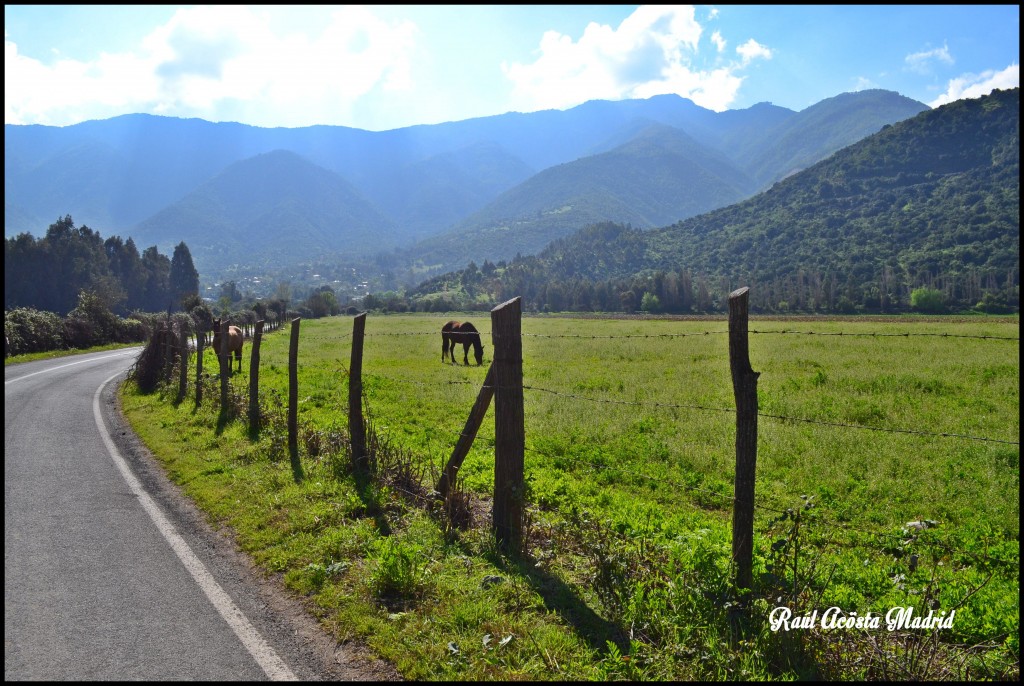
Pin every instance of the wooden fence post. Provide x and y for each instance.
(744, 385)
(168, 351)
(254, 379)
(293, 391)
(476, 416)
(509, 430)
(183, 376)
(224, 357)
(200, 339)
(356, 426)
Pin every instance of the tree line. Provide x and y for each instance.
(49, 273)
(72, 289)
(558, 280)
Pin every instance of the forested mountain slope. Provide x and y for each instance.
(659, 175)
(930, 201)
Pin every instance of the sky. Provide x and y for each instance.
(382, 67)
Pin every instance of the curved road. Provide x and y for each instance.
(108, 573)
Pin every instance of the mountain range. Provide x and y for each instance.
(431, 197)
(929, 202)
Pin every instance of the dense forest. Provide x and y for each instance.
(67, 289)
(73, 289)
(929, 206)
(49, 273)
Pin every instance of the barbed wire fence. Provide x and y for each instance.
(774, 508)
(172, 344)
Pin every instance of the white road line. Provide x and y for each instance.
(70, 364)
(272, 665)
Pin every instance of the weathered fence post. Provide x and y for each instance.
(224, 357)
(476, 416)
(254, 379)
(200, 339)
(293, 391)
(356, 427)
(183, 376)
(744, 386)
(509, 429)
(168, 351)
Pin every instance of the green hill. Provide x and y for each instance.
(932, 202)
(653, 174)
(822, 129)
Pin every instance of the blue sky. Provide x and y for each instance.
(382, 67)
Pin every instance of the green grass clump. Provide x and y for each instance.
(630, 430)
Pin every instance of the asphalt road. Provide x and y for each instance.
(109, 574)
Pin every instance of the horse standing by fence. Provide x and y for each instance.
(235, 339)
(465, 333)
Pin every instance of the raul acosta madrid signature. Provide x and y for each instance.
(782, 619)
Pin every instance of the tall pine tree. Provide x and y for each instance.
(184, 279)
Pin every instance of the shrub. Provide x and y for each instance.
(992, 303)
(131, 331)
(79, 332)
(399, 572)
(927, 300)
(91, 322)
(30, 331)
(650, 303)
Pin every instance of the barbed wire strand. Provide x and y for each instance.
(880, 335)
(635, 403)
(872, 334)
(683, 406)
(705, 408)
(900, 536)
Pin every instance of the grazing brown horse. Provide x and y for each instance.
(465, 333)
(234, 343)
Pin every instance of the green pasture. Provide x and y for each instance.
(629, 464)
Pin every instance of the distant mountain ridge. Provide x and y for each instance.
(659, 175)
(931, 201)
(126, 174)
(238, 215)
(758, 147)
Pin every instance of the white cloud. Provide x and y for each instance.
(719, 42)
(977, 85)
(220, 62)
(653, 51)
(752, 50)
(921, 62)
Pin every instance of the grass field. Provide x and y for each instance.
(629, 464)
